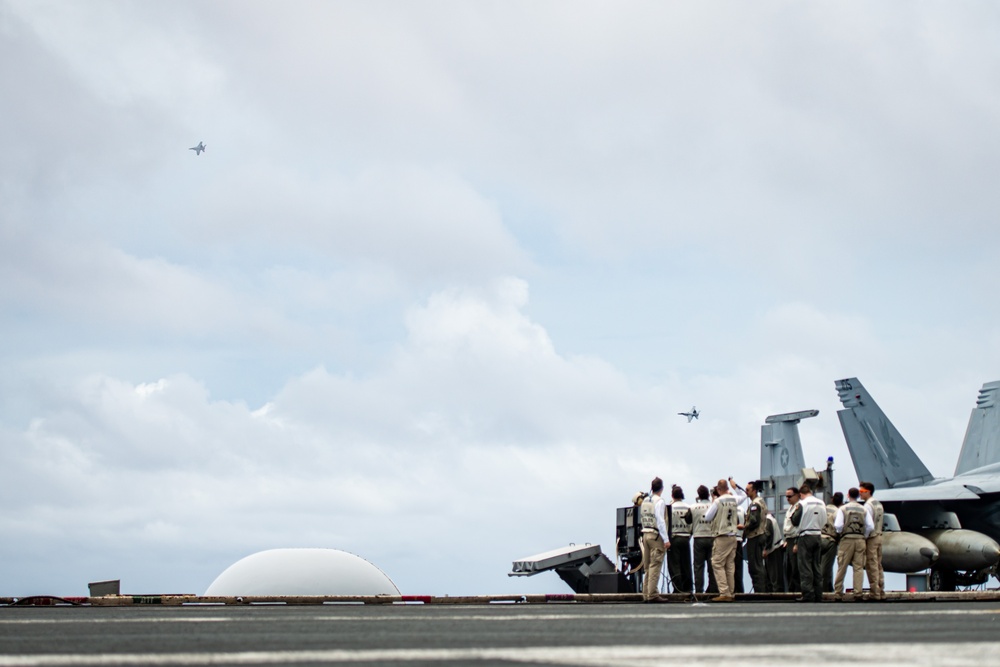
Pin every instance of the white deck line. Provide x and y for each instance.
(973, 654)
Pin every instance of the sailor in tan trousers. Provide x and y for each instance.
(724, 517)
(655, 541)
(854, 525)
(873, 545)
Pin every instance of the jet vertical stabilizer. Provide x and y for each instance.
(880, 454)
(780, 445)
(982, 439)
(782, 463)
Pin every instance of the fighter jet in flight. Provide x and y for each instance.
(198, 149)
(690, 415)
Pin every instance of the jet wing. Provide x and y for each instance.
(980, 484)
(948, 491)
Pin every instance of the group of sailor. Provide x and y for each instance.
(727, 524)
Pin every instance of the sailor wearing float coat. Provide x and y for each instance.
(854, 525)
(679, 554)
(873, 545)
(774, 556)
(810, 517)
(723, 515)
(791, 533)
(741, 500)
(753, 528)
(655, 541)
(701, 540)
(828, 542)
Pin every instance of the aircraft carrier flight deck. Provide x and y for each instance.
(771, 633)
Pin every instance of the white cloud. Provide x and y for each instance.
(726, 206)
(94, 285)
(477, 407)
(475, 412)
(423, 222)
(126, 54)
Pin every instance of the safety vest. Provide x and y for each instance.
(877, 515)
(791, 530)
(699, 526)
(726, 516)
(776, 534)
(813, 516)
(854, 520)
(761, 514)
(831, 516)
(680, 519)
(647, 514)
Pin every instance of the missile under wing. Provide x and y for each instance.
(960, 514)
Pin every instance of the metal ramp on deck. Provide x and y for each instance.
(585, 568)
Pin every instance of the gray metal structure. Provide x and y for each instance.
(581, 567)
(101, 588)
(782, 465)
(960, 514)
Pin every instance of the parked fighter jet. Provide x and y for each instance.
(782, 465)
(690, 415)
(198, 149)
(960, 514)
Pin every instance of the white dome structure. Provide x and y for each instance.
(302, 572)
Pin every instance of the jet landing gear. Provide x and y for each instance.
(942, 580)
(948, 580)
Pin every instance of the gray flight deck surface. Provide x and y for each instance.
(928, 633)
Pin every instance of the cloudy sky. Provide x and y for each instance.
(447, 271)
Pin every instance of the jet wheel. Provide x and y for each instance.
(942, 580)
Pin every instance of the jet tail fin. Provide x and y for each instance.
(880, 454)
(781, 447)
(982, 438)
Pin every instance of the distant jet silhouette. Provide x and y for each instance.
(690, 415)
(198, 149)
